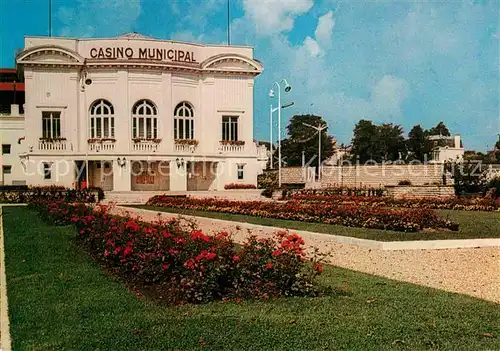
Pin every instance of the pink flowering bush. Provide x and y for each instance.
(350, 215)
(178, 265)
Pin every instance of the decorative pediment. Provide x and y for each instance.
(232, 63)
(49, 55)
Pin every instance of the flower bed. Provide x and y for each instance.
(239, 186)
(405, 220)
(439, 203)
(178, 265)
(289, 194)
(86, 195)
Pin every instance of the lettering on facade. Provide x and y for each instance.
(114, 53)
(145, 179)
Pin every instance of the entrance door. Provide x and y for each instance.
(201, 176)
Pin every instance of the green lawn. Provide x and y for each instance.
(473, 225)
(60, 299)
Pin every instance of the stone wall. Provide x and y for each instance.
(297, 175)
(383, 175)
(421, 191)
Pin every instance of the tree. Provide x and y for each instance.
(303, 138)
(392, 142)
(439, 129)
(378, 143)
(417, 143)
(364, 142)
(497, 144)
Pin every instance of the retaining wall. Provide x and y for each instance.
(420, 191)
(382, 175)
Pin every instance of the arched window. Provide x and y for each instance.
(184, 121)
(102, 120)
(144, 122)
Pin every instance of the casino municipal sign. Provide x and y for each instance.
(114, 53)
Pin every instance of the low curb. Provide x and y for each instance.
(5, 343)
(347, 240)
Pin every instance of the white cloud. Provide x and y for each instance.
(324, 30)
(107, 18)
(312, 47)
(275, 16)
(388, 95)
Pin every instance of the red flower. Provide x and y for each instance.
(269, 265)
(164, 266)
(132, 225)
(117, 250)
(198, 235)
(167, 235)
(211, 256)
(106, 253)
(189, 264)
(127, 251)
(318, 268)
(276, 253)
(236, 258)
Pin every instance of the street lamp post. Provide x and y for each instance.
(271, 111)
(319, 129)
(271, 94)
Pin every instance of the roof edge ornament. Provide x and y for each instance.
(32, 53)
(133, 35)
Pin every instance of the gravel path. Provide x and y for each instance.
(474, 272)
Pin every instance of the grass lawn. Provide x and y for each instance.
(60, 299)
(473, 225)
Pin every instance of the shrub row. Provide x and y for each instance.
(288, 194)
(405, 220)
(239, 186)
(443, 203)
(168, 261)
(87, 195)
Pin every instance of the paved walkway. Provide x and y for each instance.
(471, 271)
(141, 197)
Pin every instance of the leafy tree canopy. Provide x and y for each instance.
(303, 138)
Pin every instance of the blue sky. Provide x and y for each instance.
(406, 62)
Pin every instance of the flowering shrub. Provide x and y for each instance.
(289, 194)
(140, 140)
(178, 265)
(35, 194)
(441, 203)
(100, 140)
(239, 186)
(232, 142)
(406, 220)
(192, 142)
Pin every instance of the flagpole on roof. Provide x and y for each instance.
(228, 25)
(50, 18)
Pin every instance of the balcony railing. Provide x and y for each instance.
(101, 145)
(145, 145)
(185, 146)
(231, 146)
(54, 145)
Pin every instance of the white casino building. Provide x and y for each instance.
(135, 113)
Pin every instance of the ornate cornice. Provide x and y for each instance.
(34, 57)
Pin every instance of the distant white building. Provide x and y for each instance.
(447, 148)
(133, 113)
